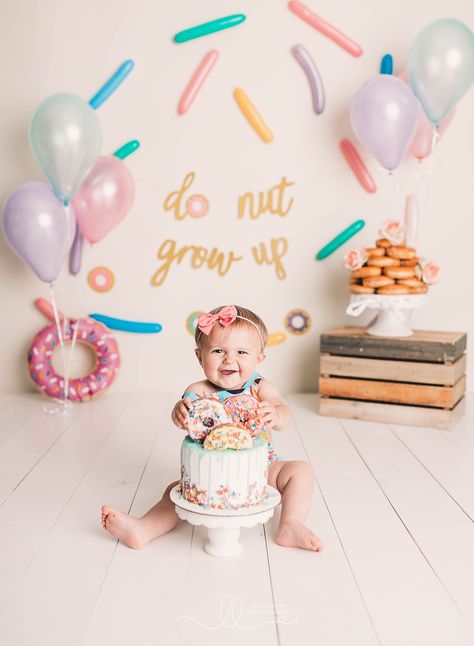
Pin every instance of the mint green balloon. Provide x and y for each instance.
(441, 66)
(66, 139)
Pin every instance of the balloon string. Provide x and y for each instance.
(397, 206)
(64, 401)
(423, 204)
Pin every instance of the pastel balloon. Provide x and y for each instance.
(441, 66)
(104, 199)
(302, 11)
(46, 308)
(315, 83)
(197, 80)
(112, 84)
(75, 255)
(209, 27)
(252, 115)
(356, 163)
(384, 117)
(340, 239)
(422, 143)
(386, 66)
(127, 149)
(65, 137)
(39, 228)
(127, 326)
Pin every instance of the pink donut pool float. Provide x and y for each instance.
(91, 333)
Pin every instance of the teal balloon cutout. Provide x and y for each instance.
(441, 66)
(65, 137)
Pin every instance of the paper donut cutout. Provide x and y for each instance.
(101, 279)
(89, 332)
(298, 322)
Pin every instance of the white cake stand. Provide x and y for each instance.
(394, 312)
(223, 525)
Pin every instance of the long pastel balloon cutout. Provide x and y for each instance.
(46, 308)
(127, 149)
(314, 78)
(328, 30)
(209, 27)
(253, 117)
(75, 253)
(197, 80)
(386, 66)
(412, 220)
(356, 163)
(90, 333)
(127, 326)
(340, 239)
(112, 84)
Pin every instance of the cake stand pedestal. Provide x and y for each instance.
(394, 312)
(223, 525)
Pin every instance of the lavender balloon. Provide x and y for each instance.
(384, 117)
(39, 228)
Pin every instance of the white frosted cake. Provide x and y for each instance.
(224, 478)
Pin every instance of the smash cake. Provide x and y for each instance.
(224, 457)
(391, 268)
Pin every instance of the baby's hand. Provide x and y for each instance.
(269, 414)
(179, 414)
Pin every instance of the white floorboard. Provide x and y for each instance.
(393, 505)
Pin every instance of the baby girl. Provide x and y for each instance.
(230, 345)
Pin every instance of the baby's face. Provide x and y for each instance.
(229, 355)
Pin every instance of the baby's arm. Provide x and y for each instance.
(179, 414)
(274, 411)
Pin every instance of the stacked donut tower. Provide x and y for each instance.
(391, 268)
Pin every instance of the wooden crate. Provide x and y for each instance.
(417, 380)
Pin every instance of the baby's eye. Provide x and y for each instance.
(242, 352)
(217, 350)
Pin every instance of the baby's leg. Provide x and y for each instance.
(138, 532)
(295, 481)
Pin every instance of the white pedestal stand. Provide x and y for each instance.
(393, 318)
(223, 525)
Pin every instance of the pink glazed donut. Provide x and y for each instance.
(91, 333)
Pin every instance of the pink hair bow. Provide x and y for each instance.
(225, 316)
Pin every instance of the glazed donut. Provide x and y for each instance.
(204, 415)
(402, 253)
(412, 262)
(383, 261)
(361, 289)
(419, 290)
(364, 272)
(375, 251)
(411, 282)
(243, 410)
(394, 290)
(377, 281)
(399, 272)
(383, 242)
(91, 333)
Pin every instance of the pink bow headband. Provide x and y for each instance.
(225, 317)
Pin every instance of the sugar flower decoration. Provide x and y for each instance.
(428, 272)
(355, 258)
(393, 230)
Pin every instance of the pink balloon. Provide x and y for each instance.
(423, 140)
(104, 198)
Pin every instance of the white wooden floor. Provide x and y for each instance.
(394, 506)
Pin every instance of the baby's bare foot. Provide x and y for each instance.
(294, 534)
(124, 527)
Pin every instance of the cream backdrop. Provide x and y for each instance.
(50, 46)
